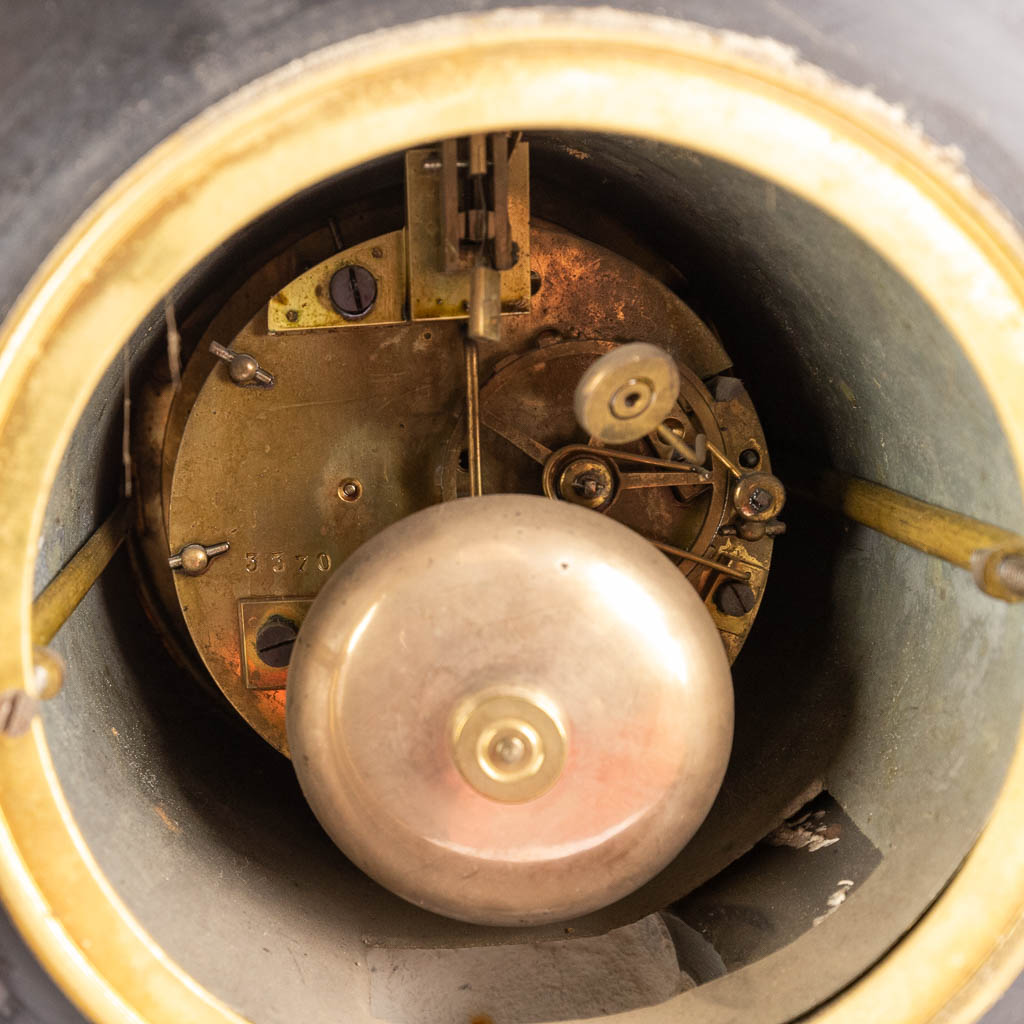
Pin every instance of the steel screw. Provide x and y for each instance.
(735, 598)
(749, 458)
(587, 481)
(760, 500)
(275, 642)
(353, 292)
(509, 750)
(350, 490)
(194, 559)
(588, 486)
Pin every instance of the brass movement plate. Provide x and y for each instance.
(261, 468)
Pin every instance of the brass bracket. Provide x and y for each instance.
(253, 615)
(738, 556)
(304, 304)
(435, 292)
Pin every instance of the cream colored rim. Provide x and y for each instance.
(725, 95)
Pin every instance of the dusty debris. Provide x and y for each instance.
(126, 430)
(173, 344)
(172, 825)
(835, 901)
(808, 832)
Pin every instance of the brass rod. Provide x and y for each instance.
(484, 323)
(725, 570)
(993, 555)
(638, 481)
(679, 468)
(954, 537)
(725, 461)
(53, 607)
(670, 437)
(476, 486)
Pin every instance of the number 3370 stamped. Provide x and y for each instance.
(283, 561)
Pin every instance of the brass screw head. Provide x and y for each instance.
(350, 490)
(508, 745)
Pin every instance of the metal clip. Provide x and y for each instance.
(243, 368)
(194, 559)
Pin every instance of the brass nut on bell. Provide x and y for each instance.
(508, 746)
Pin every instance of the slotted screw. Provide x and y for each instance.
(353, 292)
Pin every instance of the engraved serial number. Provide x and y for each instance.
(284, 561)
